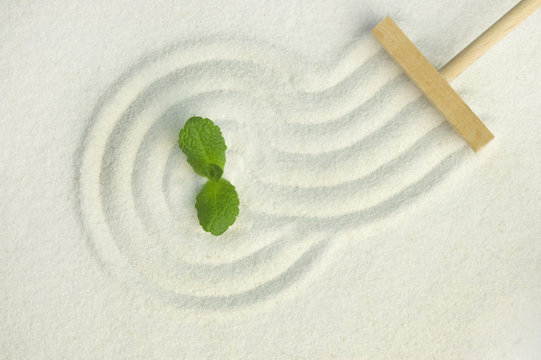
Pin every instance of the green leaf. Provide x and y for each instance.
(217, 206)
(217, 203)
(204, 146)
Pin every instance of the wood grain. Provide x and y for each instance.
(432, 84)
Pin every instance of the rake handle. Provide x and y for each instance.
(491, 36)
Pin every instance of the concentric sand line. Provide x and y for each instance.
(352, 168)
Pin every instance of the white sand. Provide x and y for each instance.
(367, 228)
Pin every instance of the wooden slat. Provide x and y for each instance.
(432, 84)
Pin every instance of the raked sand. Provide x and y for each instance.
(367, 228)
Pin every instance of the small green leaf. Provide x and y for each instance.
(217, 203)
(217, 206)
(204, 146)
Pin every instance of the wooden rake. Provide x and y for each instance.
(435, 84)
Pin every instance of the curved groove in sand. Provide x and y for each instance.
(330, 169)
(128, 201)
(364, 192)
(344, 159)
(114, 172)
(385, 207)
(258, 294)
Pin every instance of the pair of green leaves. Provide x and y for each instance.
(217, 203)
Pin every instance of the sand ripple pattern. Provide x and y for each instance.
(314, 149)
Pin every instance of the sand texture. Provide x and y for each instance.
(367, 228)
